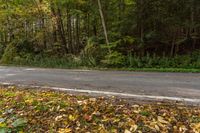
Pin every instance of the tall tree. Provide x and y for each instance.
(103, 24)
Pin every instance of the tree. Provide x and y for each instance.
(140, 27)
(103, 24)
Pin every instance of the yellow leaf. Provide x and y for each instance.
(183, 129)
(127, 131)
(161, 120)
(2, 124)
(58, 118)
(134, 128)
(72, 118)
(29, 101)
(93, 99)
(157, 128)
(66, 130)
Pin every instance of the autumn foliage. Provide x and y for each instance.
(47, 111)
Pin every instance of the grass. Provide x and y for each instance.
(76, 63)
(63, 66)
(27, 110)
(187, 70)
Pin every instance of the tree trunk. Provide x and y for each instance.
(104, 25)
(60, 28)
(173, 44)
(69, 31)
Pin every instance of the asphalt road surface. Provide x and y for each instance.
(181, 85)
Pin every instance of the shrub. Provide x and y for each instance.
(24, 46)
(179, 61)
(115, 59)
(1, 49)
(9, 54)
(92, 53)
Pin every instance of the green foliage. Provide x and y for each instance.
(19, 123)
(16, 126)
(128, 40)
(115, 59)
(24, 46)
(17, 50)
(69, 33)
(68, 61)
(179, 61)
(1, 50)
(9, 54)
(129, 2)
(92, 53)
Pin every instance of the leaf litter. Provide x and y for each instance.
(37, 111)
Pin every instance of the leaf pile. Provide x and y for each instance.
(47, 111)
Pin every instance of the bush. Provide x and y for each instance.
(1, 50)
(17, 51)
(24, 46)
(115, 59)
(92, 53)
(9, 54)
(179, 61)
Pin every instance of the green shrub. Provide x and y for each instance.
(9, 54)
(179, 61)
(24, 46)
(17, 51)
(92, 53)
(115, 59)
(1, 50)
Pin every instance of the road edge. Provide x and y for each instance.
(152, 98)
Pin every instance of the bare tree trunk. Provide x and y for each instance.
(192, 29)
(62, 31)
(104, 25)
(88, 25)
(77, 33)
(69, 31)
(173, 44)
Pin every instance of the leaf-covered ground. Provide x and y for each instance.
(47, 111)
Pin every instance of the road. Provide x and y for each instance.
(181, 85)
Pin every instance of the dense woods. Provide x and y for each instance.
(128, 33)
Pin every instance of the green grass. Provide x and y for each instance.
(63, 66)
(188, 70)
(65, 63)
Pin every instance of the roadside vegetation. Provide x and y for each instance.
(126, 34)
(136, 35)
(28, 110)
(189, 63)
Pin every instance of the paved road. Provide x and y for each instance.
(184, 85)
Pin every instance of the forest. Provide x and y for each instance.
(103, 33)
